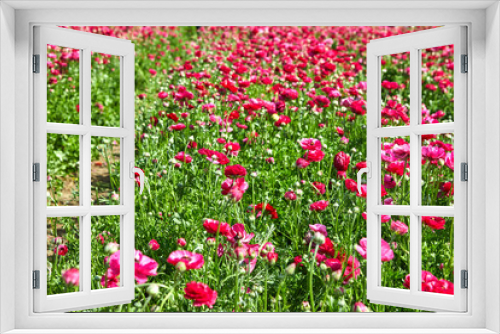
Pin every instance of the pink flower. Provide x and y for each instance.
(191, 260)
(401, 151)
(162, 95)
(235, 171)
(352, 269)
(144, 267)
(177, 127)
(319, 187)
(302, 163)
(360, 307)
(152, 72)
(71, 276)
(62, 250)
(290, 195)
(183, 157)
(314, 155)
(319, 228)
(181, 242)
(235, 188)
(318, 206)
(200, 294)
(154, 245)
(399, 227)
(310, 144)
(238, 234)
(389, 181)
(386, 252)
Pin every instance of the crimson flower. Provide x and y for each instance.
(212, 225)
(235, 171)
(310, 144)
(318, 206)
(200, 294)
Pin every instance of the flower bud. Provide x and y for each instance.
(111, 248)
(290, 269)
(318, 238)
(181, 266)
(153, 290)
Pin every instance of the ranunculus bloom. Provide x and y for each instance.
(435, 223)
(62, 250)
(290, 195)
(386, 252)
(389, 181)
(318, 206)
(319, 228)
(214, 157)
(212, 225)
(310, 144)
(183, 157)
(302, 163)
(154, 245)
(200, 294)
(314, 155)
(235, 171)
(341, 161)
(191, 260)
(162, 95)
(234, 188)
(238, 234)
(177, 127)
(71, 276)
(181, 242)
(399, 227)
(360, 307)
(259, 208)
(352, 269)
(319, 187)
(144, 267)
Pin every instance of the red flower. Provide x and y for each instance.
(435, 223)
(235, 171)
(214, 156)
(183, 157)
(341, 163)
(310, 144)
(290, 195)
(315, 155)
(269, 209)
(177, 127)
(318, 206)
(289, 94)
(319, 187)
(154, 245)
(200, 294)
(212, 225)
(302, 163)
(62, 250)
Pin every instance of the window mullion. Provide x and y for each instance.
(414, 169)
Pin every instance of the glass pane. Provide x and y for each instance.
(63, 255)
(105, 90)
(395, 251)
(437, 255)
(395, 91)
(63, 165)
(437, 84)
(105, 171)
(395, 170)
(105, 252)
(63, 85)
(438, 169)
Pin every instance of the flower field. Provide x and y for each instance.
(250, 139)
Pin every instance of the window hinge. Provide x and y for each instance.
(465, 64)
(36, 172)
(36, 279)
(464, 171)
(36, 63)
(465, 279)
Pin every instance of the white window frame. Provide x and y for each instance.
(414, 43)
(483, 307)
(86, 43)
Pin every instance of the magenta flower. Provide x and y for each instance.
(386, 252)
(310, 144)
(399, 227)
(318, 206)
(71, 276)
(191, 260)
(319, 228)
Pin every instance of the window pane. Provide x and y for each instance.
(63, 165)
(438, 169)
(395, 251)
(437, 84)
(437, 255)
(395, 170)
(105, 171)
(395, 91)
(105, 90)
(105, 252)
(63, 85)
(63, 255)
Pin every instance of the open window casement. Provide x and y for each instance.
(76, 207)
(418, 203)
